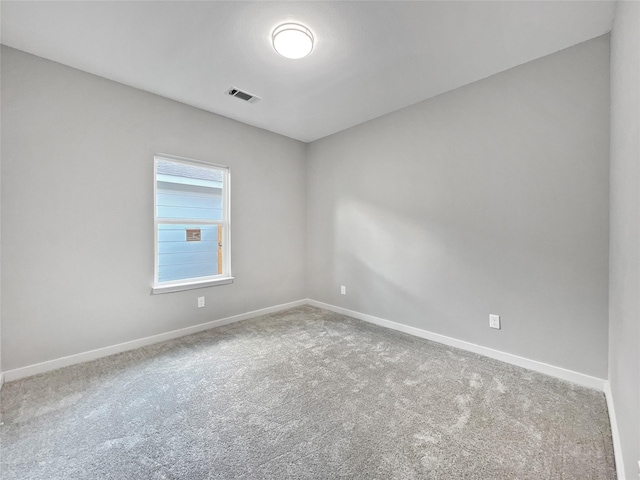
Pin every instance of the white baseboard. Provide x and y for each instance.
(579, 378)
(49, 365)
(615, 433)
(558, 372)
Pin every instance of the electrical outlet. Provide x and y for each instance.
(200, 302)
(494, 321)
(343, 290)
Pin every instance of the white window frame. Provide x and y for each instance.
(225, 277)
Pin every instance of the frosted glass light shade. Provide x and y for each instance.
(292, 40)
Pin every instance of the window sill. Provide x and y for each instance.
(158, 289)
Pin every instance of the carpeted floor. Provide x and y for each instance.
(302, 394)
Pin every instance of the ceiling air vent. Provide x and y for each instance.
(247, 97)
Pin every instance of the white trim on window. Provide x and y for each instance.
(225, 277)
(180, 287)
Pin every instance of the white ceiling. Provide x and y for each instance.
(370, 58)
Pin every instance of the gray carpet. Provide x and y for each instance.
(303, 393)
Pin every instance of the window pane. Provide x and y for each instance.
(179, 259)
(187, 191)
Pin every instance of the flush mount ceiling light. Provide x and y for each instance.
(292, 40)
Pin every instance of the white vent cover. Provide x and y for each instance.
(247, 97)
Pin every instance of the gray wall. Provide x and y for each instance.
(624, 253)
(492, 198)
(77, 212)
(1, 374)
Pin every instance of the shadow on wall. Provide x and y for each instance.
(446, 274)
(395, 263)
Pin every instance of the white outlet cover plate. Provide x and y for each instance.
(494, 321)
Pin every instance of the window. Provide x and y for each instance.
(191, 225)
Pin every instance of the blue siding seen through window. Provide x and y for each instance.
(187, 192)
(188, 201)
(179, 259)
